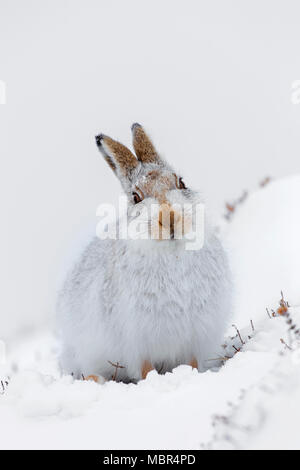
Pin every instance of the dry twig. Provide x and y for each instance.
(117, 366)
(265, 181)
(286, 345)
(231, 207)
(239, 334)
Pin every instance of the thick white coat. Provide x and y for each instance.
(124, 303)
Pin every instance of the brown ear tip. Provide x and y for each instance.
(134, 126)
(99, 139)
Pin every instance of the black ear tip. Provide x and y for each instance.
(135, 125)
(99, 139)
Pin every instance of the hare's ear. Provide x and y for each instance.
(143, 147)
(119, 157)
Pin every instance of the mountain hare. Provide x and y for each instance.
(133, 305)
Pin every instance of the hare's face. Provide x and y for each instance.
(158, 199)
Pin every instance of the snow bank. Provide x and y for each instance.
(247, 403)
(43, 410)
(264, 242)
(267, 416)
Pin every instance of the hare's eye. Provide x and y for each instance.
(181, 184)
(137, 198)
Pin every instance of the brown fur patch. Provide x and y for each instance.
(153, 174)
(156, 186)
(146, 368)
(92, 377)
(121, 154)
(143, 147)
(194, 363)
(110, 162)
(168, 220)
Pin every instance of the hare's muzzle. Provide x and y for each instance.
(169, 223)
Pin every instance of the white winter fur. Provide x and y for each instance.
(128, 301)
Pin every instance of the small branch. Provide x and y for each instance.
(284, 306)
(239, 334)
(117, 366)
(4, 385)
(252, 325)
(231, 207)
(286, 345)
(264, 182)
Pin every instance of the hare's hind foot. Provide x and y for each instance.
(146, 368)
(95, 378)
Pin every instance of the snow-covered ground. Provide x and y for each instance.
(250, 402)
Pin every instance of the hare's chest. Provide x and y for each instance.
(160, 291)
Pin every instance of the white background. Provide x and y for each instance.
(210, 80)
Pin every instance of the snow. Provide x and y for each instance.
(263, 238)
(171, 411)
(250, 402)
(267, 414)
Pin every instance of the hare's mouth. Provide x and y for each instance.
(166, 233)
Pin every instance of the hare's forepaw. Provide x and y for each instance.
(194, 363)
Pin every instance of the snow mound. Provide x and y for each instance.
(267, 416)
(174, 410)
